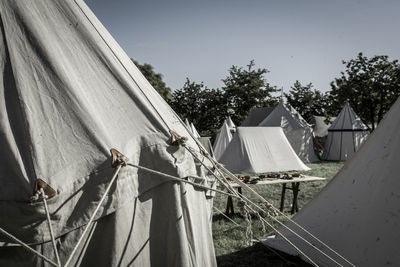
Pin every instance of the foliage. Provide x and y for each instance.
(202, 106)
(207, 108)
(306, 100)
(371, 85)
(245, 89)
(155, 80)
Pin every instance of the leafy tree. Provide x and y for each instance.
(306, 100)
(155, 80)
(202, 106)
(245, 89)
(371, 85)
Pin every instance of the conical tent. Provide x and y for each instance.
(68, 94)
(345, 136)
(222, 140)
(194, 131)
(357, 214)
(259, 150)
(187, 124)
(256, 115)
(230, 123)
(297, 130)
(206, 143)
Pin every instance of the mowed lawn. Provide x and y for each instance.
(229, 239)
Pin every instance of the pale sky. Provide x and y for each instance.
(294, 39)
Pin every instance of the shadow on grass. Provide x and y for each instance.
(259, 255)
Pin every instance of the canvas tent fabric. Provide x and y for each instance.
(256, 115)
(187, 124)
(222, 140)
(230, 123)
(260, 150)
(297, 130)
(205, 141)
(68, 94)
(320, 127)
(345, 136)
(357, 213)
(194, 131)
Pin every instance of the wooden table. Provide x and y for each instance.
(267, 181)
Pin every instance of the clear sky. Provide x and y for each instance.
(303, 40)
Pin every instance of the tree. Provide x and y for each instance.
(202, 106)
(245, 89)
(371, 85)
(306, 100)
(155, 80)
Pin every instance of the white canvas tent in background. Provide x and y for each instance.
(68, 94)
(357, 213)
(230, 124)
(320, 127)
(345, 136)
(222, 140)
(187, 124)
(194, 131)
(206, 143)
(259, 150)
(256, 115)
(297, 130)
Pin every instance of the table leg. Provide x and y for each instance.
(229, 207)
(296, 189)
(283, 196)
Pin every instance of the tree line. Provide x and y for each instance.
(370, 85)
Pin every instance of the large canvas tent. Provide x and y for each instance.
(345, 136)
(222, 140)
(259, 150)
(68, 94)
(357, 214)
(297, 130)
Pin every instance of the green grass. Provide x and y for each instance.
(229, 239)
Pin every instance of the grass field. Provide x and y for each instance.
(229, 239)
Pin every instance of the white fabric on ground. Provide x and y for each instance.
(259, 150)
(357, 213)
